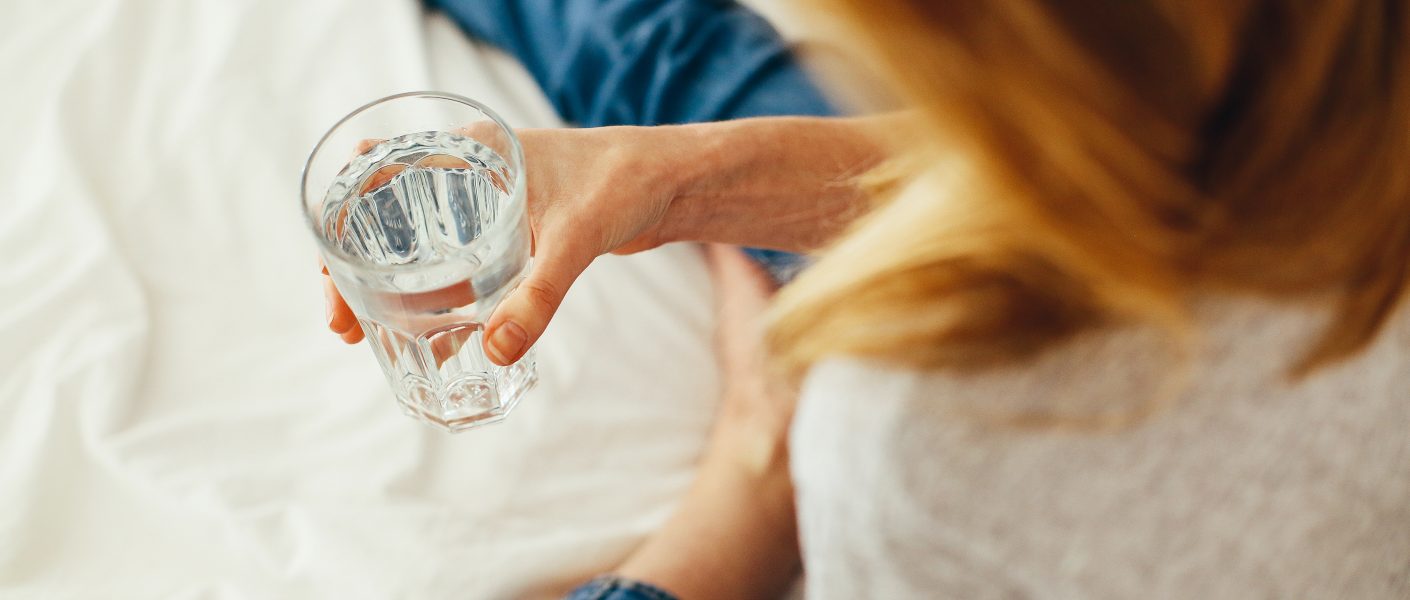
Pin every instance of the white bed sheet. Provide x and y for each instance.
(175, 421)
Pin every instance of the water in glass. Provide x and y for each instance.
(417, 213)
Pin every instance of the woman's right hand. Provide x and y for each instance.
(590, 192)
(786, 183)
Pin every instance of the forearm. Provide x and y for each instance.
(734, 535)
(783, 183)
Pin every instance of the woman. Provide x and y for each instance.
(1114, 311)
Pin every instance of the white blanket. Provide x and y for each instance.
(175, 420)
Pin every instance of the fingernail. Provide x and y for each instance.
(507, 343)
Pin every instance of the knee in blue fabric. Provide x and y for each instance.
(649, 62)
(617, 588)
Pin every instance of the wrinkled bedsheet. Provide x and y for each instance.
(175, 420)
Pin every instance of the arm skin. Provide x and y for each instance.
(782, 183)
(734, 534)
(651, 62)
(785, 182)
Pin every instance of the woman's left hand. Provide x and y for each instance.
(734, 535)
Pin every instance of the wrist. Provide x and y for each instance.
(690, 167)
(734, 535)
(786, 183)
(756, 448)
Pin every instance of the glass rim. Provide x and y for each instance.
(517, 198)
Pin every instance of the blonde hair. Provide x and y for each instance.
(1086, 162)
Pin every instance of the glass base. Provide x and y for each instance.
(445, 379)
(471, 401)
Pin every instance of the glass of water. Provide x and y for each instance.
(418, 204)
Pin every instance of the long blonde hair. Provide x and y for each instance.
(1088, 161)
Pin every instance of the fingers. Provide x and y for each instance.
(380, 177)
(729, 265)
(341, 319)
(366, 145)
(478, 129)
(352, 336)
(742, 293)
(524, 315)
(340, 316)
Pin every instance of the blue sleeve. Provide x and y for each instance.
(650, 62)
(646, 62)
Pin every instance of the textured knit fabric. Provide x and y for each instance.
(1241, 484)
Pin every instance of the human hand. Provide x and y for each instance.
(590, 192)
(785, 183)
(751, 428)
(733, 535)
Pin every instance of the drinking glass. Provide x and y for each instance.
(418, 204)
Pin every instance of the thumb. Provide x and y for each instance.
(524, 314)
